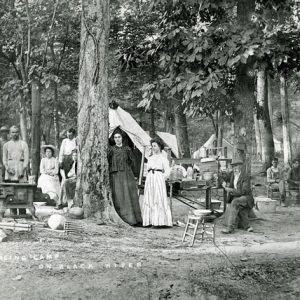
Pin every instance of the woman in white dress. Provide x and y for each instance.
(156, 208)
(49, 181)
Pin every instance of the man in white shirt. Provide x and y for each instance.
(15, 157)
(240, 196)
(3, 139)
(65, 153)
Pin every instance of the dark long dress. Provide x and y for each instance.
(123, 185)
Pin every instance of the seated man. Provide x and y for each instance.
(68, 185)
(240, 196)
(293, 177)
(275, 179)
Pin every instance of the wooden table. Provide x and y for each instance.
(17, 195)
(206, 188)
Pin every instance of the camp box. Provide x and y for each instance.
(16, 195)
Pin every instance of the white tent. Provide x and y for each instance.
(208, 148)
(170, 140)
(120, 118)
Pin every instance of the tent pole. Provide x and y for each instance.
(142, 166)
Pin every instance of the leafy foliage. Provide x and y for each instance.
(41, 39)
(199, 46)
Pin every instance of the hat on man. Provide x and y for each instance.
(237, 161)
(4, 128)
(44, 147)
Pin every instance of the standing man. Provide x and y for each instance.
(15, 157)
(3, 139)
(275, 179)
(65, 154)
(240, 196)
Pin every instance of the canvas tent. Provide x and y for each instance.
(208, 149)
(120, 118)
(170, 140)
(139, 139)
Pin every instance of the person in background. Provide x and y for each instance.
(123, 185)
(65, 153)
(15, 157)
(15, 161)
(240, 196)
(293, 178)
(68, 186)
(48, 180)
(3, 139)
(275, 179)
(156, 209)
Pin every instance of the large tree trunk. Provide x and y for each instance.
(55, 116)
(181, 130)
(35, 128)
(23, 118)
(264, 119)
(257, 136)
(287, 151)
(270, 99)
(243, 115)
(92, 189)
(48, 131)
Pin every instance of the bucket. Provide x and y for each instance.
(31, 179)
(207, 175)
(266, 205)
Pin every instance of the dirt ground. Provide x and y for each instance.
(112, 262)
(109, 262)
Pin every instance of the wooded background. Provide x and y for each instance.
(187, 67)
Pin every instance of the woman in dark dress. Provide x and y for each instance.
(123, 185)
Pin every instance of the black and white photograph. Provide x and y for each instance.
(150, 149)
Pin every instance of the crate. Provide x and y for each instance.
(265, 204)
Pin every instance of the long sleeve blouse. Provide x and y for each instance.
(120, 158)
(49, 166)
(159, 162)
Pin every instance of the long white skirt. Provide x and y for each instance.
(50, 185)
(156, 208)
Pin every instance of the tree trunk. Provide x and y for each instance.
(92, 188)
(152, 120)
(270, 100)
(23, 118)
(168, 124)
(55, 116)
(35, 128)
(243, 115)
(220, 121)
(181, 130)
(267, 142)
(257, 136)
(287, 151)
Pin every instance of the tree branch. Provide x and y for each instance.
(63, 51)
(49, 31)
(28, 37)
